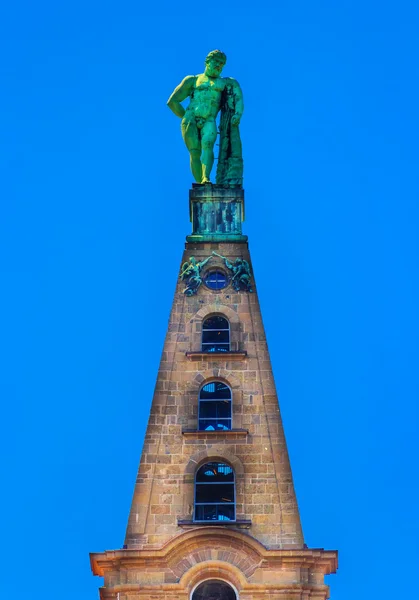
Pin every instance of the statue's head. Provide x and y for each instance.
(214, 63)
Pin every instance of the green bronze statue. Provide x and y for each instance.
(191, 275)
(209, 93)
(241, 273)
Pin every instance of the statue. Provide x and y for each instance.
(241, 273)
(191, 274)
(209, 93)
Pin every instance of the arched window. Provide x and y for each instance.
(215, 334)
(214, 589)
(214, 493)
(214, 407)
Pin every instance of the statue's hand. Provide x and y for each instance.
(235, 119)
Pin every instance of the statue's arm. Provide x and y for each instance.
(185, 272)
(180, 94)
(204, 262)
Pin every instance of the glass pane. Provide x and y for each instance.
(215, 336)
(216, 390)
(223, 409)
(207, 425)
(215, 512)
(217, 492)
(207, 410)
(215, 347)
(226, 513)
(214, 424)
(205, 513)
(215, 472)
(215, 323)
(218, 408)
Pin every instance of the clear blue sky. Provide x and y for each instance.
(94, 183)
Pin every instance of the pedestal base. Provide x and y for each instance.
(216, 214)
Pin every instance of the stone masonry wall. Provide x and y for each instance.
(165, 483)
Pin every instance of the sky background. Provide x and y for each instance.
(94, 181)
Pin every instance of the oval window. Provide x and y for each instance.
(216, 280)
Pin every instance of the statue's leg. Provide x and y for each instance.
(209, 135)
(190, 135)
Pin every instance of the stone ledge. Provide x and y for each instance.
(231, 355)
(217, 238)
(240, 524)
(195, 433)
(214, 534)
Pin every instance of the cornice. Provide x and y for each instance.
(318, 559)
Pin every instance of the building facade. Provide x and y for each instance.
(214, 513)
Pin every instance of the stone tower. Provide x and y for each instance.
(214, 513)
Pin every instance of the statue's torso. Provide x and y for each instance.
(206, 97)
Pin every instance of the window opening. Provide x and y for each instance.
(214, 407)
(215, 493)
(215, 334)
(214, 590)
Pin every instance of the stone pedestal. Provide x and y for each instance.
(216, 214)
